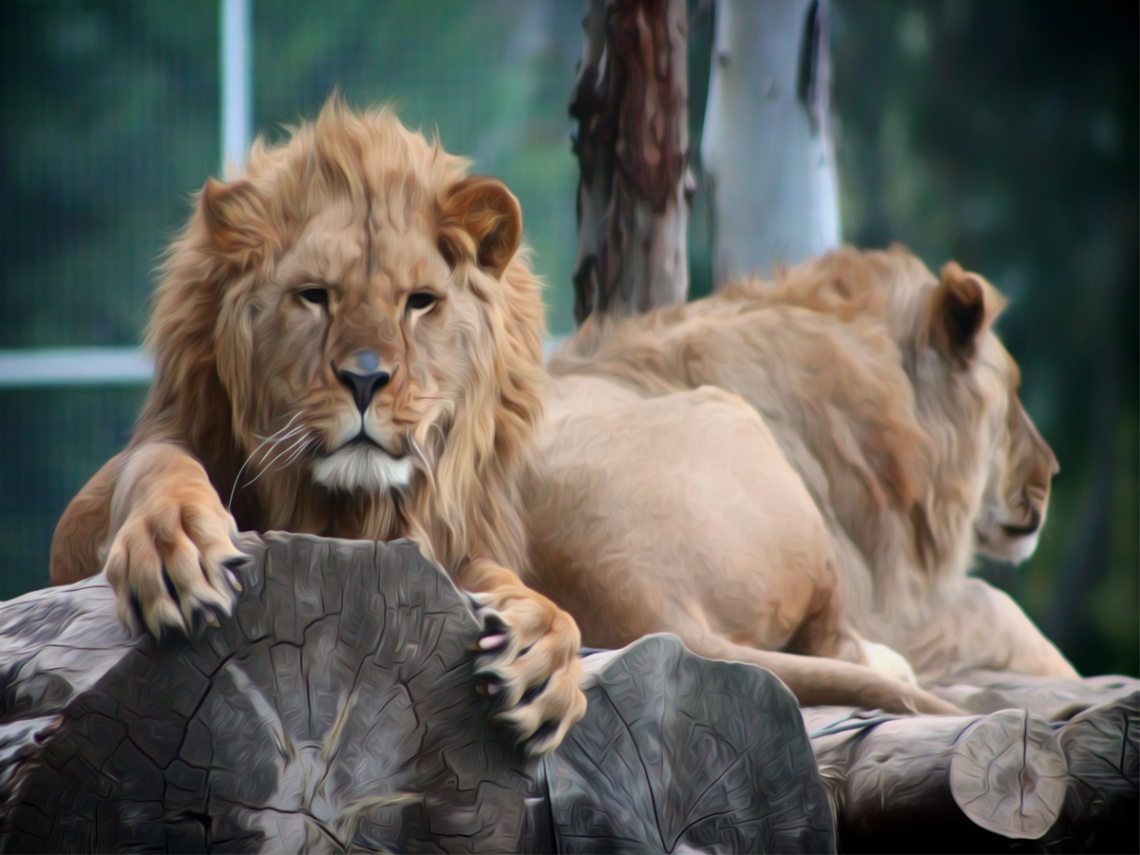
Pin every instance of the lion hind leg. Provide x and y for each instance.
(817, 680)
(826, 632)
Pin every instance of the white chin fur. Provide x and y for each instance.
(1023, 547)
(1013, 550)
(362, 467)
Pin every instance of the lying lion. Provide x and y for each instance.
(347, 342)
(806, 466)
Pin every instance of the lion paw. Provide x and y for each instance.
(887, 661)
(528, 659)
(172, 563)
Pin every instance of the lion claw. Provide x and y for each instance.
(172, 563)
(529, 669)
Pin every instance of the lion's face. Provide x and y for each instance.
(1016, 497)
(374, 329)
(364, 347)
(1003, 465)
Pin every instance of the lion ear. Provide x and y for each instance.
(234, 215)
(480, 217)
(957, 314)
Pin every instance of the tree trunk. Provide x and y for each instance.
(336, 711)
(630, 102)
(766, 148)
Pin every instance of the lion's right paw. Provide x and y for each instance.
(173, 562)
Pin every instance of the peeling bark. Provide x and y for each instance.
(630, 103)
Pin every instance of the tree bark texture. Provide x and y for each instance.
(630, 104)
(336, 710)
(766, 149)
(1043, 766)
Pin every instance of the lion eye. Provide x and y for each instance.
(316, 296)
(421, 300)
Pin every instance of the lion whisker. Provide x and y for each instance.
(280, 439)
(237, 478)
(442, 437)
(300, 450)
(283, 428)
(266, 467)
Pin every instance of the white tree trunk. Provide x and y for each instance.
(767, 149)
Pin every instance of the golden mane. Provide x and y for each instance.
(206, 391)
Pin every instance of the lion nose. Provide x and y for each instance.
(363, 384)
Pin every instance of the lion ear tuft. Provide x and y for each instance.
(957, 314)
(481, 216)
(234, 214)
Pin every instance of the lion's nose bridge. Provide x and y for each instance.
(369, 355)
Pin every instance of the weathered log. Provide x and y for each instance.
(336, 710)
(1045, 766)
(630, 104)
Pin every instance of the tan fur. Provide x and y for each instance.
(249, 399)
(876, 442)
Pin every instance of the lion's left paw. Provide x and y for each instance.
(528, 660)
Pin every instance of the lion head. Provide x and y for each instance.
(349, 337)
(978, 474)
(1020, 465)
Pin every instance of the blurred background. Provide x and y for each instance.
(1003, 135)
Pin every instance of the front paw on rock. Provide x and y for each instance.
(530, 670)
(168, 578)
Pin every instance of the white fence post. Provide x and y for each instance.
(236, 78)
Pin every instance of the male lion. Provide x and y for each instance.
(348, 342)
(799, 466)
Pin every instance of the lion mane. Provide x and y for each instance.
(207, 384)
(212, 373)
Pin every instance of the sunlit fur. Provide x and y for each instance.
(890, 395)
(304, 265)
